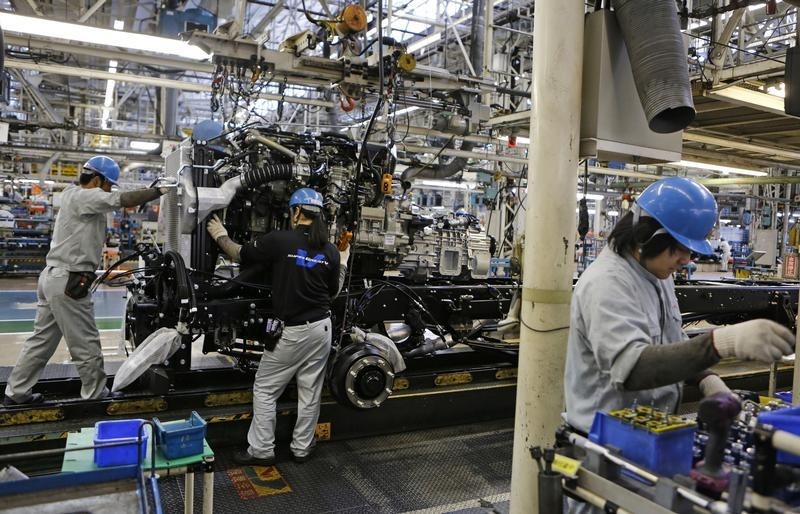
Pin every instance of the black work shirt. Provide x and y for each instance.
(303, 280)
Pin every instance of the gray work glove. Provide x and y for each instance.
(758, 339)
(711, 385)
(215, 228)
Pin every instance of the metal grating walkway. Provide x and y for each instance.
(464, 469)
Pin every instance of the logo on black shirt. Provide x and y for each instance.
(302, 259)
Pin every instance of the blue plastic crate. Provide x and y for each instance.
(787, 420)
(119, 431)
(667, 453)
(181, 438)
(784, 396)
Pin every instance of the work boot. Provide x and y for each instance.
(34, 399)
(243, 458)
(304, 458)
(307, 455)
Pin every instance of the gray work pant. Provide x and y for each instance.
(57, 314)
(303, 352)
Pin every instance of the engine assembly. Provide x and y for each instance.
(417, 283)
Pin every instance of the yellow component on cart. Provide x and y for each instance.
(650, 419)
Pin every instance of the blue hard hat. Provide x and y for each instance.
(686, 210)
(105, 166)
(306, 197)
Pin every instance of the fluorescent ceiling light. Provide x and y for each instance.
(589, 196)
(725, 170)
(443, 184)
(105, 37)
(590, 211)
(723, 220)
(32, 181)
(747, 97)
(698, 24)
(108, 102)
(144, 145)
(612, 213)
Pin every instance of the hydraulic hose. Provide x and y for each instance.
(268, 173)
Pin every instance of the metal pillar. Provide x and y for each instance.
(549, 238)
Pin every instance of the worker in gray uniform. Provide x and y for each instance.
(64, 302)
(626, 343)
(307, 271)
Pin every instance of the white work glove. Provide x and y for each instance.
(215, 228)
(758, 339)
(711, 385)
(344, 256)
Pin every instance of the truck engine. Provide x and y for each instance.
(432, 269)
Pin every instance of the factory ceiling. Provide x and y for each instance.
(61, 100)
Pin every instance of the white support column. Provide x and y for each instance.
(549, 238)
(599, 219)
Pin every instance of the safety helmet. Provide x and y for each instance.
(686, 210)
(306, 198)
(104, 166)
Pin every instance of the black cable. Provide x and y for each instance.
(102, 277)
(743, 50)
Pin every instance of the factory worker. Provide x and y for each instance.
(625, 337)
(725, 249)
(64, 300)
(626, 343)
(307, 272)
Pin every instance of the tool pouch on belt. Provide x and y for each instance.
(78, 284)
(273, 328)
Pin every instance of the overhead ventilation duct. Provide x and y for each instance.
(652, 34)
(614, 124)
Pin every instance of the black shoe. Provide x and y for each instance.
(34, 399)
(304, 458)
(243, 458)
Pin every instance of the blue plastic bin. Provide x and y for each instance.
(787, 420)
(181, 438)
(119, 431)
(784, 396)
(668, 453)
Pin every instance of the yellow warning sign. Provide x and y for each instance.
(323, 431)
(566, 466)
(257, 481)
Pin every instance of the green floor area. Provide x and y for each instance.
(26, 325)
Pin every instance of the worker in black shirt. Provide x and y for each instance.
(306, 274)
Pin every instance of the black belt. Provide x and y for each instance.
(313, 320)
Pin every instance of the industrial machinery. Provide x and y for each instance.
(416, 285)
(736, 458)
